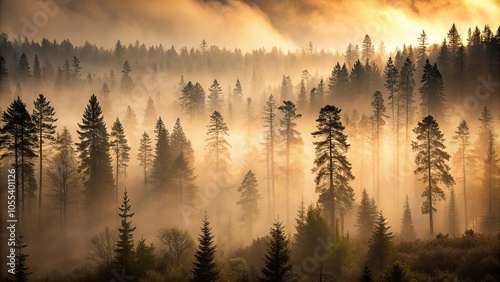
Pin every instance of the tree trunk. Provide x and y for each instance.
(430, 181)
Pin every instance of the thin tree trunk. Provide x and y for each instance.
(430, 181)
(332, 194)
(40, 168)
(464, 182)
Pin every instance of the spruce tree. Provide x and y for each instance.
(215, 98)
(124, 251)
(21, 269)
(302, 99)
(130, 123)
(286, 88)
(145, 258)
(406, 97)
(432, 92)
(269, 117)
(249, 200)
(331, 164)
(217, 148)
(193, 100)
(180, 144)
(291, 139)
(378, 123)
(126, 83)
(23, 68)
(407, 229)
(490, 221)
(367, 275)
(120, 149)
(161, 169)
(365, 217)
(145, 156)
(452, 214)
(367, 49)
(183, 178)
(277, 259)
(380, 245)
(150, 115)
(397, 272)
(4, 77)
(431, 164)
(76, 71)
(205, 269)
(95, 159)
(422, 49)
(237, 93)
(43, 117)
(37, 72)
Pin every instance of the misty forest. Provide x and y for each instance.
(152, 163)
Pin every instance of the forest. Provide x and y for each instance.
(203, 163)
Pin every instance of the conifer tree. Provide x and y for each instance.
(95, 159)
(183, 177)
(367, 275)
(316, 97)
(302, 99)
(422, 49)
(432, 92)
(490, 222)
(145, 156)
(452, 214)
(431, 164)
(406, 97)
(180, 144)
(124, 251)
(193, 100)
(215, 98)
(237, 93)
(269, 117)
(21, 269)
(120, 149)
(249, 200)
(37, 72)
(277, 259)
(130, 123)
(145, 258)
(217, 148)
(205, 269)
(76, 71)
(407, 229)
(291, 138)
(43, 117)
(23, 68)
(331, 164)
(397, 272)
(380, 244)
(161, 169)
(367, 49)
(378, 123)
(150, 115)
(4, 77)
(365, 217)
(126, 83)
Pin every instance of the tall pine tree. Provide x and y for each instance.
(120, 149)
(249, 200)
(161, 169)
(124, 251)
(217, 155)
(380, 245)
(407, 229)
(145, 156)
(277, 260)
(205, 269)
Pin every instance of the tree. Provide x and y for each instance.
(145, 257)
(180, 144)
(431, 164)
(102, 247)
(215, 97)
(357, 79)
(124, 251)
(452, 214)
(205, 268)
(464, 158)
(145, 156)
(302, 99)
(238, 93)
(331, 164)
(4, 77)
(397, 272)
(367, 49)
(367, 275)
(366, 216)
(177, 242)
(21, 269)
(126, 83)
(23, 68)
(161, 169)
(130, 123)
(150, 115)
(37, 72)
(432, 92)
(406, 86)
(120, 150)
(63, 177)
(380, 244)
(291, 137)
(378, 123)
(76, 71)
(269, 113)
(193, 100)
(95, 160)
(407, 230)
(422, 49)
(217, 148)
(43, 118)
(338, 82)
(249, 200)
(316, 97)
(19, 136)
(277, 259)
(183, 178)
(286, 88)
(490, 222)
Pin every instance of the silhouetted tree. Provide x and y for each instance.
(249, 200)
(124, 251)
(183, 177)
(286, 88)
(277, 259)
(4, 77)
(23, 68)
(145, 156)
(365, 216)
(407, 229)
(180, 144)
(490, 221)
(302, 98)
(269, 117)
(406, 96)
(397, 272)
(205, 268)
(161, 168)
(217, 155)
(37, 72)
(431, 164)
(432, 92)
(380, 244)
(378, 123)
(215, 98)
(367, 49)
(120, 148)
(237, 93)
(150, 115)
(193, 100)
(452, 214)
(126, 83)
(422, 49)
(21, 269)
(145, 258)
(130, 123)
(367, 275)
(177, 243)
(76, 70)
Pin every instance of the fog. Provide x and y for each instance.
(261, 44)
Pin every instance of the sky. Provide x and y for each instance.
(244, 24)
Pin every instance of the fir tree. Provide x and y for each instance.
(277, 260)
(150, 115)
(217, 148)
(378, 123)
(193, 100)
(397, 272)
(380, 244)
(302, 99)
(331, 164)
(160, 171)
(286, 88)
(367, 49)
(145, 258)
(37, 72)
(43, 117)
(23, 68)
(237, 93)
(452, 214)
(145, 156)
(21, 269)
(126, 83)
(95, 159)
(432, 92)
(180, 144)
(76, 71)
(407, 230)
(205, 268)
(120, 149)
(269, 117)
(422, 49)
(215, 98)
(130, 123)
(124, 251)
(431, 164)
(406, 97)
(4, 77)
(490, 222)
(367, 275)
(249, 200)
(365, 217)
(183, 177)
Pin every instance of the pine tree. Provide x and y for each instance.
(238, 93)
(316, 97)
(249, 200)
(483, 135)
(464, 158)
(193, 100)
(124, 251)
(130, 123)
(21, 269)
(20, 136)
(452, 214)
(422, 49)
(161, 169)
(406, 95)
(4, 77)
(76, 71)
(357, 79)
(397, 272)
(150, 115)
(43, 118)
(183, 177)
(23, 68)
(367, 275)
(215, 98)
(126, 83)
(490, 222)
(331, 164)
(367, 49)
(180, 144)
(217, 148)
(431, 164)
(291, 138)
(37, 72)
(95, 159)
(380, 244)
(378, 123)
(302, 99)
(145, 258)
(145, 156)
(365, 217)
(286, 88)
(205, 268)
(120, 150)
(407, 230)
(269, 117)
(277, 260)
(432, 92)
